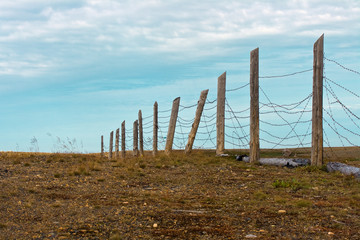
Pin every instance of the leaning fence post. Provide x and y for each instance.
(195, 125)
(172, 125)
(141, 136)
(254, 106)
(111, 144)
(123, 146)
(102, 146)
(317, 107)
(135, 139)
(220, 116)
(155, 130)
(117, 143)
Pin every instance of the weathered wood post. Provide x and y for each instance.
(135, 139)
(111, 144)
(123, 146)
(195, 125)
(254, 106)
(220, 116)
(102, 146)
(317, 107)
(117, 139)
(141, 136)
(155, 130)
(172, 126)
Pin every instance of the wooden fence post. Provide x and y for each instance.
(123, 146)
(135, 139)
(172, 126)
(317, 107)
(195, 125)
(155, 130)
(220, 116)
(141, 136)
(111, 144)
(117, 143)
(254, 106)
(102, 146)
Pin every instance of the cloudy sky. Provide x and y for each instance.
(77, 69)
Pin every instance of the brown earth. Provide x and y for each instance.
(81, 196)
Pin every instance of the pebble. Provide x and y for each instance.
(250, 236)
(281, 211)
(155, 225)
(330, 233)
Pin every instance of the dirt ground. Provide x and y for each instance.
(200, 196)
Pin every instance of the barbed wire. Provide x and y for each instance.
(330, 109)
(342, 66)
(340, 135)
(287, 75)
(211, 108)
(292, 127)
(285, 145)
(164, 111)
(237, 120)
(285, 106)
(210, 102)
(346, 109)
(187, 107)
(284, 124)
(326, 78)
(238, 88)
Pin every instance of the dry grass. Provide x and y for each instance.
(76, 196)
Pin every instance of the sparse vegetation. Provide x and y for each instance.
(200, 196)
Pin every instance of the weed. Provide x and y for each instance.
(27, 164)
(101, 180)
(303, 203)
(293, 184)
(17, 161)
(115, 236)
(260, 195)
(3, 226)
(57, 175)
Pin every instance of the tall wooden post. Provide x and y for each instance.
(196, 123)
(117, 139)
(220, 117)
(172, 126)
(123, 146)
(135, 139)
(102, 146)
(155, 130)
(317, 107)
(141, 136)
(254, 106)
(111, 144)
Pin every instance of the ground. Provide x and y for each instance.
(199, 196)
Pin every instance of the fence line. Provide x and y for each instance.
(293, 129)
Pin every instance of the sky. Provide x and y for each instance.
(77, 69)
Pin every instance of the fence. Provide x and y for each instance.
(217, 122)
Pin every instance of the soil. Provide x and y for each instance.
(199, 196)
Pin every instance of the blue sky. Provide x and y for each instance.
(77, 69)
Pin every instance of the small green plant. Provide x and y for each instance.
(260, 196)
(293, 184)
(303, 203)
